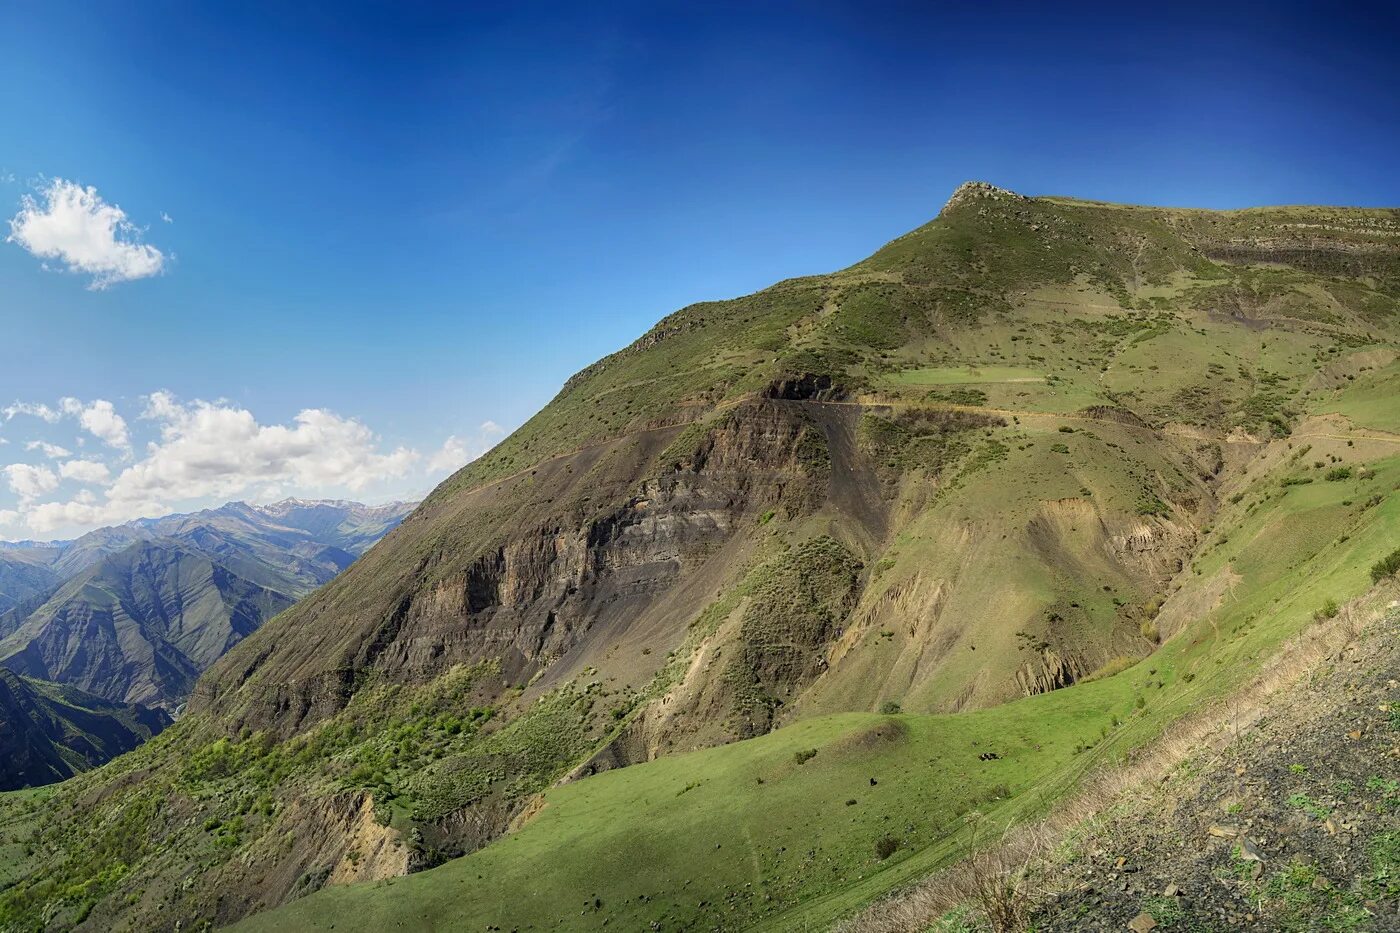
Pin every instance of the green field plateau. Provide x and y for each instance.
(799, 598)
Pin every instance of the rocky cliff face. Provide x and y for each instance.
(586, 562)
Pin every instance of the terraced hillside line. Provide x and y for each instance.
(875, 403)
(868, 404)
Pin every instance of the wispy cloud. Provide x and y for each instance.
(52, 451)
(34, 409)
(73, 225)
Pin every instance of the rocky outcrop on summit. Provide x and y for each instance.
(970, 191)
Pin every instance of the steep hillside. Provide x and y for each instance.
(139, 626)
(1293, 825)
(995, 505)
(23, 575)
(150, 604)
(49, 732)
(81, 553)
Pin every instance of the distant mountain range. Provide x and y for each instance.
(133, 613)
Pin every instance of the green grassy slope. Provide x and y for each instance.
(1111, 305)
(1203, 352)
(1045, 437)
(744, 835)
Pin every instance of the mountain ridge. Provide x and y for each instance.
(983, 508)
(139, 625)
(52, 732)
(135, 612)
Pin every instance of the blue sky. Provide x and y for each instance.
(411, 224)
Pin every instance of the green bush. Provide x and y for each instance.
(1336, 474)
(1386, 567)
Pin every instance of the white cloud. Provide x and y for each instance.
(204, 453)
(52, 451)
(84, 471)
(75, 226)
(453, 454)
(216, 449)
(30, 482)
(48, 414)
(100, 419)
(85, 510)
(166, 217)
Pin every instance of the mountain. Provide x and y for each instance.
(50, 732)
(801, 595)
(23, 575)
(140, 625)
(349, 526)
(135, 612)
(300, 543)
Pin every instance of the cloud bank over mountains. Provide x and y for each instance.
(75, 464)
(199, 452)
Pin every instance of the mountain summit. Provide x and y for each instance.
(783, 604)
